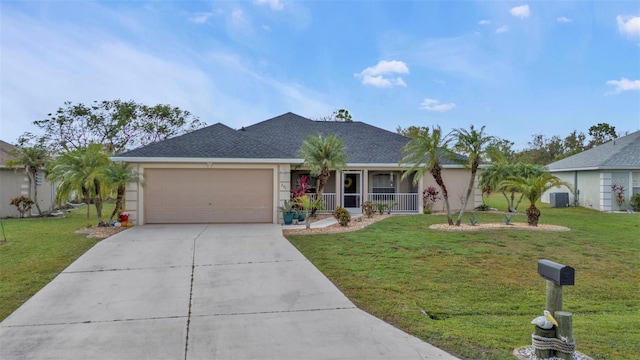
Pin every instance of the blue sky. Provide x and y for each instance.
(520, 68)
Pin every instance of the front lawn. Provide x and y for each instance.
(474, 293)
(38, 249)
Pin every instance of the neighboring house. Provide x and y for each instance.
(14, 182)
(218, 174)
(593, 172)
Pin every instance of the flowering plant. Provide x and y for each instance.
(618, 190)
(429, 196)
(301, 187)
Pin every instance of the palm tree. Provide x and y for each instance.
(473, 144)
(424, 153)
(322, 154)
(493, 176)
(532, 187)
(81, 170)
(307, 203)
(117, 176)
(33, 160)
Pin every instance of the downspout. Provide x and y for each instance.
(576, 192)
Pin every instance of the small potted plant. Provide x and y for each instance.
(287, 212)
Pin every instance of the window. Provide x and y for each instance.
(635, 181)
(383, 184)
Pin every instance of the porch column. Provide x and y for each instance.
(420, 190)
(338, 188)
(365, 185)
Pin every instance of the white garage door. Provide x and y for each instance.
(208, 196)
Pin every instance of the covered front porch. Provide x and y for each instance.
(350, 188)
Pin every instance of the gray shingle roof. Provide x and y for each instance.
(622, 153)
(5, 149)
(215, 141)
(363, 143)
(279, 138)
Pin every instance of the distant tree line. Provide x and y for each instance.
(541, 150)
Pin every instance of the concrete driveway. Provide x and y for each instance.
(199, 292)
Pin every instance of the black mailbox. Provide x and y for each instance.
(557, 273)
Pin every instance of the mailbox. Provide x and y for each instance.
(556, 273)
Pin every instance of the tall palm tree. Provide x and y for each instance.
(424, 153)
(117, 176)
(33, 160)
(81, 170)
(532, 187)
(473, 144)
(323, 154)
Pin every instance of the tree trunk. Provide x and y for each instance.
(35, 190)
(533, 214)
(506, 198)
(474, 169)
(515, 209)
(85, 195)
(98, 201)
(323, 177)
(119, 198)
(437, 175)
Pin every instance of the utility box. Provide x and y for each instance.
(558, 200)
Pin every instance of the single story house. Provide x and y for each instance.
(14, 182)
(593, 172)
(220, 175)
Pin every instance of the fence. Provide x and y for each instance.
(402, 202)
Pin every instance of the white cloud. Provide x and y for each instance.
(623, 84)
(382, 74)
(628, 25)
(435, 105)
(37, 77)
(563, 19)
(273, 4)
(201, 18)
(237, 18)
(521, 11)
(484, 22)
(502, 29)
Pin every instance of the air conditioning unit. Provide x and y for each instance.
(558, 200)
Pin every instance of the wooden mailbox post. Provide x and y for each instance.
(557, 275)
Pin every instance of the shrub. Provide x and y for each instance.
(635, 202)
(342, 215)
(23, 204)
(380, 207)
(483, 207)
(367, 208)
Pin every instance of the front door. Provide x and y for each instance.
(352, 191)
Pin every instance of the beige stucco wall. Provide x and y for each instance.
(456, 180)
(14, 183)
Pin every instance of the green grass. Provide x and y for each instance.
(475, 293)
(38, 249)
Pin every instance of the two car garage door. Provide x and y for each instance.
(182, 196)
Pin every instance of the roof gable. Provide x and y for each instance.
(622, 153)
(363, 143)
